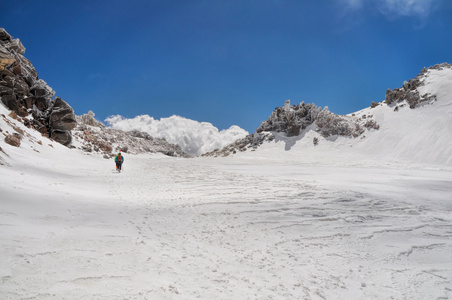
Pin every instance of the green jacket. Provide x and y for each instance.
(122, 158)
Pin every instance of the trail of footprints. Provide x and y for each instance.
(268, 235)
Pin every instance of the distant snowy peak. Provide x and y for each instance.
(195, 138)
(433, 86)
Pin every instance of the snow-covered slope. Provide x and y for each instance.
(261, 226)
(398, 133)
(193, 137)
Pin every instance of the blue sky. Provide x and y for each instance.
(227, 62)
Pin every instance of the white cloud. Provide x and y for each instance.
(421, 8)
(193, 137)
(393, 8)
(352, 4)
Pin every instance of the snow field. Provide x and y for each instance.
(169, 228)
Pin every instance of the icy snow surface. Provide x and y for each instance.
(193, 137)
(247, 227)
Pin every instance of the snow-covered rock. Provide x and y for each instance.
(92, 136)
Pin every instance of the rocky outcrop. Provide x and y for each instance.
(92, 136)
(61, 122)
(23, 92)
(89, 119)
(409, 91)
(291, 120)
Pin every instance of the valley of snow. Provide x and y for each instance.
(195, 138)
(364, 218)
(247, 227)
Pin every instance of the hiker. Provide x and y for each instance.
(119, 159)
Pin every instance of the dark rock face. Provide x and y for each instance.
(62, 116)
(62, 136)
(23, 92)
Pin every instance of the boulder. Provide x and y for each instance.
(11, 102)
(62, 116)
(61, 136)
(13, 140)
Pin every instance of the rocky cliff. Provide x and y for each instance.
(32, 98)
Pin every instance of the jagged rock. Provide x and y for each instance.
(409, 93)
(4, 36)
(290, 119)
(17, 46)
(23, 92)
(13, 139)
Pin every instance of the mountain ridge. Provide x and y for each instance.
(381, 126)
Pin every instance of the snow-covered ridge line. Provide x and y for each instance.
(412, 123)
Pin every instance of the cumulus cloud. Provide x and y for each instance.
(394, 8)
(193, 137)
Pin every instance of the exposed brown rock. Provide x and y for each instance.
(13, 140)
